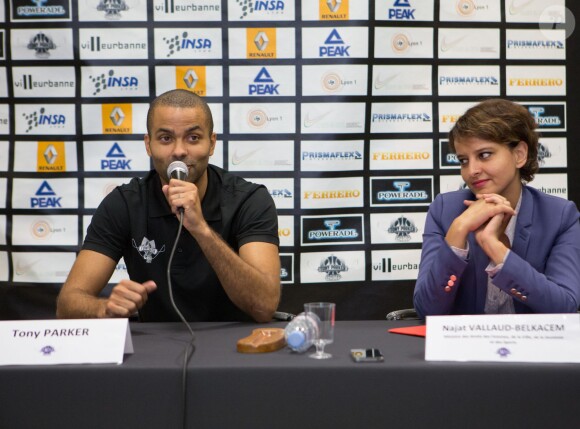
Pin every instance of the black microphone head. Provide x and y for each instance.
(177, 170)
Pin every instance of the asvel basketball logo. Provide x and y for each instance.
(41, 44)
(332, 267)
(147, 249)
(112, 8)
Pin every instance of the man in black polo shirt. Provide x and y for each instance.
(226, 266)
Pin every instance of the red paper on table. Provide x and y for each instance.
(417, 331)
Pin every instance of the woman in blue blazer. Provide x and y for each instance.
(501, 246)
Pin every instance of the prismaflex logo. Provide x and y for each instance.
(115, 160)
(50, 157)
(192, 78)
(334, 46)
(45, 197)
(341, 229)
(261, 43)
(401, 11)
(333, 10)
(117, 118)
(398, 191)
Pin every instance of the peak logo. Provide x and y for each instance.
(115, 159)
(45, 197)
(192, 78)
(261, 43)
(117, 118)
(401, 10)
(50, 157)
(334, 46)
(333, 10)
(263, 84)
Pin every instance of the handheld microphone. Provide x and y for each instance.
(177, 170)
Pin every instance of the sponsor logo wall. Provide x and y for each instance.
(339, 107)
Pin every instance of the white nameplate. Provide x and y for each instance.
(73, 341)
(504, 338)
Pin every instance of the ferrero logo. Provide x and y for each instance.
(330, 195)
(400, 156)
(536, 82)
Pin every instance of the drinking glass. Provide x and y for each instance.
(325, 312)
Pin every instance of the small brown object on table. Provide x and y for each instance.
(262, 340)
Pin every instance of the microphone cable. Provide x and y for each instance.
(190, 346)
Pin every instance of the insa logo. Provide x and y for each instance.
(250, 6)
(45, 197)
(36, 119)
(263, 84)
(109, 80)
(116, 159)
(183, 42)
(334, 46)
(404, 13)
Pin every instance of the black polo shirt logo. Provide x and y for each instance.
(147, 249)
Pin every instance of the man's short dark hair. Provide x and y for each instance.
(179, 98)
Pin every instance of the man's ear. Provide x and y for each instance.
(147, 144)
(521, 153)
(213, 141)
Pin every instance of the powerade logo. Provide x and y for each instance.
(115, 159)
(45, 197)
(41, 10)
(334, 46)
(398, 191)
(335, 229)
(549, 117)
(448, 158)
(402, 10)
(263, 84)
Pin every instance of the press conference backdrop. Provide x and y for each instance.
(340, 108)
